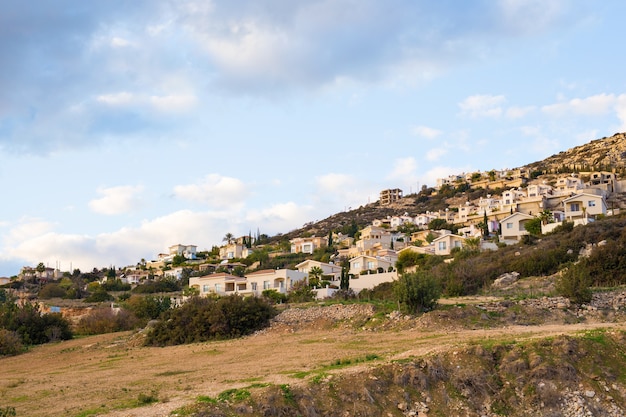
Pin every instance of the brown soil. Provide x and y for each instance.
(112, 374)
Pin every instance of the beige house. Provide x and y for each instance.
(513, 226)
(307, 244)
(219, 284)
(255, 283)
(232, 250)
(328, 270)
(372, 235)
(280, 280)
(363, 263)
(584, 206)
(188, 251)
(444, 244)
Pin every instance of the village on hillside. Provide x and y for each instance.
(369, 256)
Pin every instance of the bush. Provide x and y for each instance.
(52, 291)
(33, 327)
(116, 285)
(574, 284)
(148, 307)
(274, 296)
(202, 319)
(167, 284)
(10, 343)
(8, 412)
(300, 292)
(99, 296)
(381, 292)
(107, 320)
(417, 292)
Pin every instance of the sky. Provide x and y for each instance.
(128, 127)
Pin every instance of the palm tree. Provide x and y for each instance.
(314, 275)
(228, 238)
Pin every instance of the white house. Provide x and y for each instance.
(513, 226)
(327, 269)
(444, 244)
(364, 263)
(584, 206)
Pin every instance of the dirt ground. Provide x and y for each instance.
(112, 375)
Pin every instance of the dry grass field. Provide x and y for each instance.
(114, 375)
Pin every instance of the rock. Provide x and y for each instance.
(590, 393)
(505, 280)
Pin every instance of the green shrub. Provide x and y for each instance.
(99, 296)
(10, 343)
(107, 320)
(574, 284)
(115, 285)
(201, 319)
(149, 306)
(7, 412)
(167, 284)
(274, 296)
(33, 327)
(417, 292)
(52, 290)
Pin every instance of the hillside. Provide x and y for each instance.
(472, 356)
(606, 154)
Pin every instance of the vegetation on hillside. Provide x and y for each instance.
(23, 325)
(206, 318)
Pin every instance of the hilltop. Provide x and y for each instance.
(605, 154)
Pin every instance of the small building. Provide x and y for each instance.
(390, 196)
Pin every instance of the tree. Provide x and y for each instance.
(575, 284)
(344, 283)
(417, 292)
(228, 238)
(315, 274)
(533, 226)
(546, 216)
(330, 238)
(178, 260)
(485, 224)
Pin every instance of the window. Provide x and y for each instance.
(509, 225)
(356, 265)
(574, 207)
(218, 287)
(591, 203)
(370, 265)
(266, 285)
(442, 245)
(253, 285)
(205, 288)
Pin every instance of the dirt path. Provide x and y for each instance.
(107, 375)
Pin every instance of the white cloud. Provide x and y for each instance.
(215, 190)
(27, 228)
(123, 247)
(482, 106)
(519, 112)
(435, 154)
(426, 132)
(620, 109)
(529, 16)
(174, 103)
(116, 99)
(119, 42)
(117, 200)
(339, 191)
(589, 106)
(280, 218)
(335, 183)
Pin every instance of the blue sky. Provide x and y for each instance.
(126, 127)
